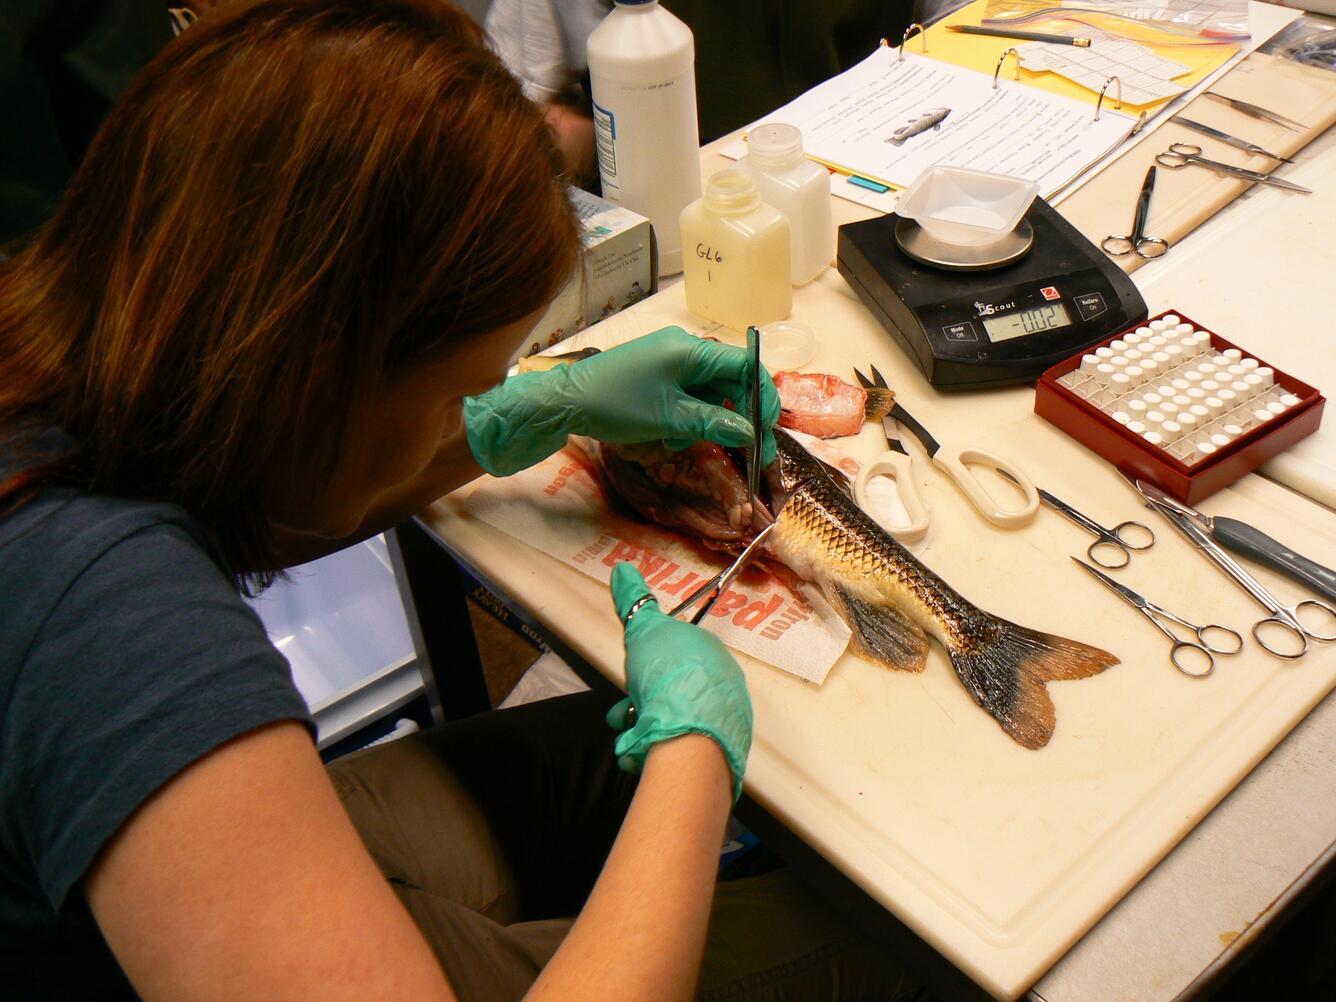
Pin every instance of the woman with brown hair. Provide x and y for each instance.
(272, 317)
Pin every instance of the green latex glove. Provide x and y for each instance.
(667, 385)
(681, 680)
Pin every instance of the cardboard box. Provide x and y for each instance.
(619, 266)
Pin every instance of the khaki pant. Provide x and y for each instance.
(493, 829)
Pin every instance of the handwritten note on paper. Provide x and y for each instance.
(851, 121)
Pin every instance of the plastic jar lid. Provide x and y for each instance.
(787, 344)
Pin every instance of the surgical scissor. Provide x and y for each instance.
(1180, 155)
(1283, 617)
(1136, 242)
(1116, 539)
(1203, 645)
(954, 462)
(718, 584)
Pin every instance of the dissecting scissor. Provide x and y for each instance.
(1202, 646)
(955, 463)
(1180, 155)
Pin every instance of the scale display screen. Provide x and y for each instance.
(1036, 320)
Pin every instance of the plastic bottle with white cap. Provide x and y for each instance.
(737, 254)
(642, 76)
(798, 188)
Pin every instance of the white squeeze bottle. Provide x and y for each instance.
(798, 188)
(642, 74)
(736, 254)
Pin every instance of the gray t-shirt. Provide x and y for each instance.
(126, 654)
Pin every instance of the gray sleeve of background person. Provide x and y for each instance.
(543, 41)
(149, 661)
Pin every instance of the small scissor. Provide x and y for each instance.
(1180, 155)
(1111, 542)
(955, 463)
(718, 584)
(1136, 242)
(1202, 646)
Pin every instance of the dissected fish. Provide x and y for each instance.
(932, 119)
(823, 405)
(891, 602)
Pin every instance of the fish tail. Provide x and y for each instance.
(879, 402)
(1005, 667)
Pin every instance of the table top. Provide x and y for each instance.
(1003, 858)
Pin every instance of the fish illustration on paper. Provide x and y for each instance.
(931, 119)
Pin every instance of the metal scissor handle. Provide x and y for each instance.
(718, 584)
(1146, 248)
(1115, 543)
(957, 464)
(1203, 645)
(1182, 155)
(900, 468)
(1286, 619)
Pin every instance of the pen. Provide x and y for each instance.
(1029, 36)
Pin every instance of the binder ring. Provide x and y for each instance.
(1102, 90)
(1002, 59)
(909, 31)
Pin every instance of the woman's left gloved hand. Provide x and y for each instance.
(667, 385)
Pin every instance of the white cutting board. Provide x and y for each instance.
(998, 856)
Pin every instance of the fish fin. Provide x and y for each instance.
(1007, 671)
(881, 633)
(879, 402)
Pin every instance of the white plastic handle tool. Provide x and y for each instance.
(956, 465)
(898, 467)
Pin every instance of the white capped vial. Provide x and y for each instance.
(1179, 384)
(1175, 353)
(1172, 320)
(1203, 340)
(1241, 388)
(1118, 362)
(1104, 372)
(1145, 331)
(1254, 381)
(1193, 376)
(1205, 448)
(1171, 430)
(1186, 420)
(1136, 374)
(1137, 427)
(1288, 399)
(1119, 383)
(1157, 340)
(1168, 408)
(1165, 390)
(1154, 418)
(1249, 364)
(1227, 397)
(1213, 406)
(1207, 369)
(1104, 352)
(1209, 385)
(1233, 354)
(1232, 430)
(1122, 417)
(1088, 363)
(1118, 345)
(1159, 326)
(1218, 440)
(1275, 407)
(1133, 356)
(1151, 368)
(1137, 407)
(1235, 370)
(1151, 399)
(1200, 411)
(1182, 399)
(1266, 374)
(1154, 438)
(1196, 394)
(1134, 338)
(1262, 415)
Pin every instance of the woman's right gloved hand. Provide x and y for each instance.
(681, 680)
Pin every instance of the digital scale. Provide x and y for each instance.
(973, 317)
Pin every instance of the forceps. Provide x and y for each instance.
(1110, 540)
(1136, 242)
(954, 462)
(1203, 646)
(1180, 155)
(1283, 617)
(718, 584)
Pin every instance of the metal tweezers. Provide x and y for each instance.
(717, 585)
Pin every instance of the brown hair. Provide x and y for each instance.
(291, 202)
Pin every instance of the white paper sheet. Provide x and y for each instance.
(851, 121)
(1144, 76)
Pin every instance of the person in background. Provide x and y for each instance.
(270, 317)
(752, 56)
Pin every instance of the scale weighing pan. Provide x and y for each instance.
(974, 317)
